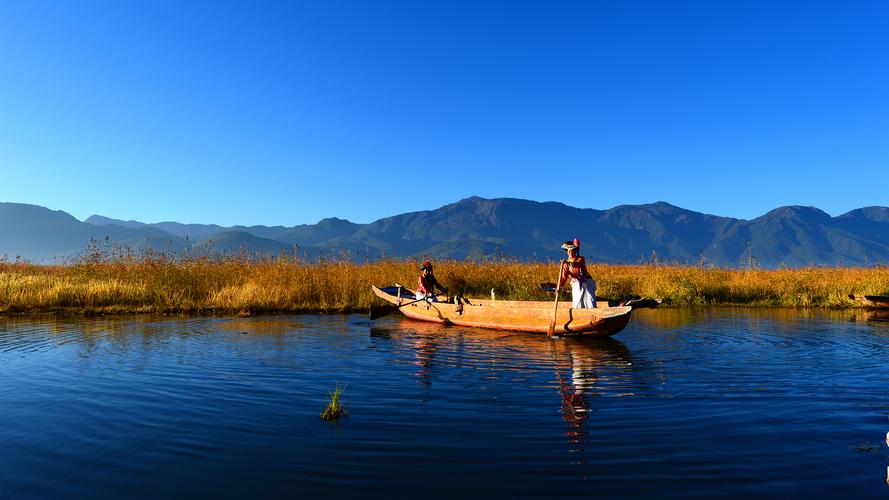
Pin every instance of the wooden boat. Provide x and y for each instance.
(525, 316)
(872, 301)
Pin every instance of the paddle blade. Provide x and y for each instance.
(552, 328)
(380, 311)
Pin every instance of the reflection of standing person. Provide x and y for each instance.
(427, 283)
(575, 390)
(583, 288)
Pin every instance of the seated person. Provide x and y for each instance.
(427, 283)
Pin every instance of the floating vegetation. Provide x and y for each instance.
(250, 286)
(866, 447)
(335, 407)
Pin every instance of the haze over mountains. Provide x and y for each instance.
(478, 227)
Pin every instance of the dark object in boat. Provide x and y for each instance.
(641, 303)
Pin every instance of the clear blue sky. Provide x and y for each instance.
(287, 112)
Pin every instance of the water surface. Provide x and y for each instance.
(682, 403)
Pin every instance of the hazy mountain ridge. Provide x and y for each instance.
(478, 227)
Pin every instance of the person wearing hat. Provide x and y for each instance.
(583, 288)
(427, 283)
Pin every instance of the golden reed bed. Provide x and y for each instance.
(202, 285)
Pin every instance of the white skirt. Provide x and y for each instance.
(583, 296)
(429, 298)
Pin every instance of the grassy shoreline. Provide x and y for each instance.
(288, 285)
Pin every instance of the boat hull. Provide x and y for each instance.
(872, 301)
(524, 316)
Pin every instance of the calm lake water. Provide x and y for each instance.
(682, 403)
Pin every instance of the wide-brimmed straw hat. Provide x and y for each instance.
(571, 245)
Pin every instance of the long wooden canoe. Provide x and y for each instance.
(526, 316)
(872, 301)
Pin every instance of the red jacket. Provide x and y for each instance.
(427, 284)
(576, 269)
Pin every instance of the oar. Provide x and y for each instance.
(380, 311)
(552, 324)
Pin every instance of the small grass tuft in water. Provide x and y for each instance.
(335, 408)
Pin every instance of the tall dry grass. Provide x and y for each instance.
(160, 284)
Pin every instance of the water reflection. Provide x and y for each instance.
(583, 369)
(683, 317)
(425, 347)
(92, 336)
(266, 325)
(420, 339)
(667, 317)
(219, 406)
(874, 317)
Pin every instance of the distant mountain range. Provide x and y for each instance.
(478, 227)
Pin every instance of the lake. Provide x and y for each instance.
(682, 403)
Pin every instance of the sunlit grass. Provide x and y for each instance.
(159, 284)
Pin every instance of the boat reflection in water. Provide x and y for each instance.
(876, 317)
(583, 369)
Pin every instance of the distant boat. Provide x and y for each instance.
(515, 315)
(872, 301)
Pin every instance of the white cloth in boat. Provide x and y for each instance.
(583, 295)
(430, 298)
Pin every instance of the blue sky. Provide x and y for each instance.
(288, 112)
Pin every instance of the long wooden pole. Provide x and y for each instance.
(379, 312)
(552, 324)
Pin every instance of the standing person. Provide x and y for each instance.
(427, 283)
(583, 288)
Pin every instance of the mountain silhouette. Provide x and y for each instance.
(481, 228)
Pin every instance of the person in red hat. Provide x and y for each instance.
(427, 283)
(583, 288)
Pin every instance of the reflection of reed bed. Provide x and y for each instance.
(678, 317)
(202, 285)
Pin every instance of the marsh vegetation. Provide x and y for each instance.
(334, 408)
(159, 284)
